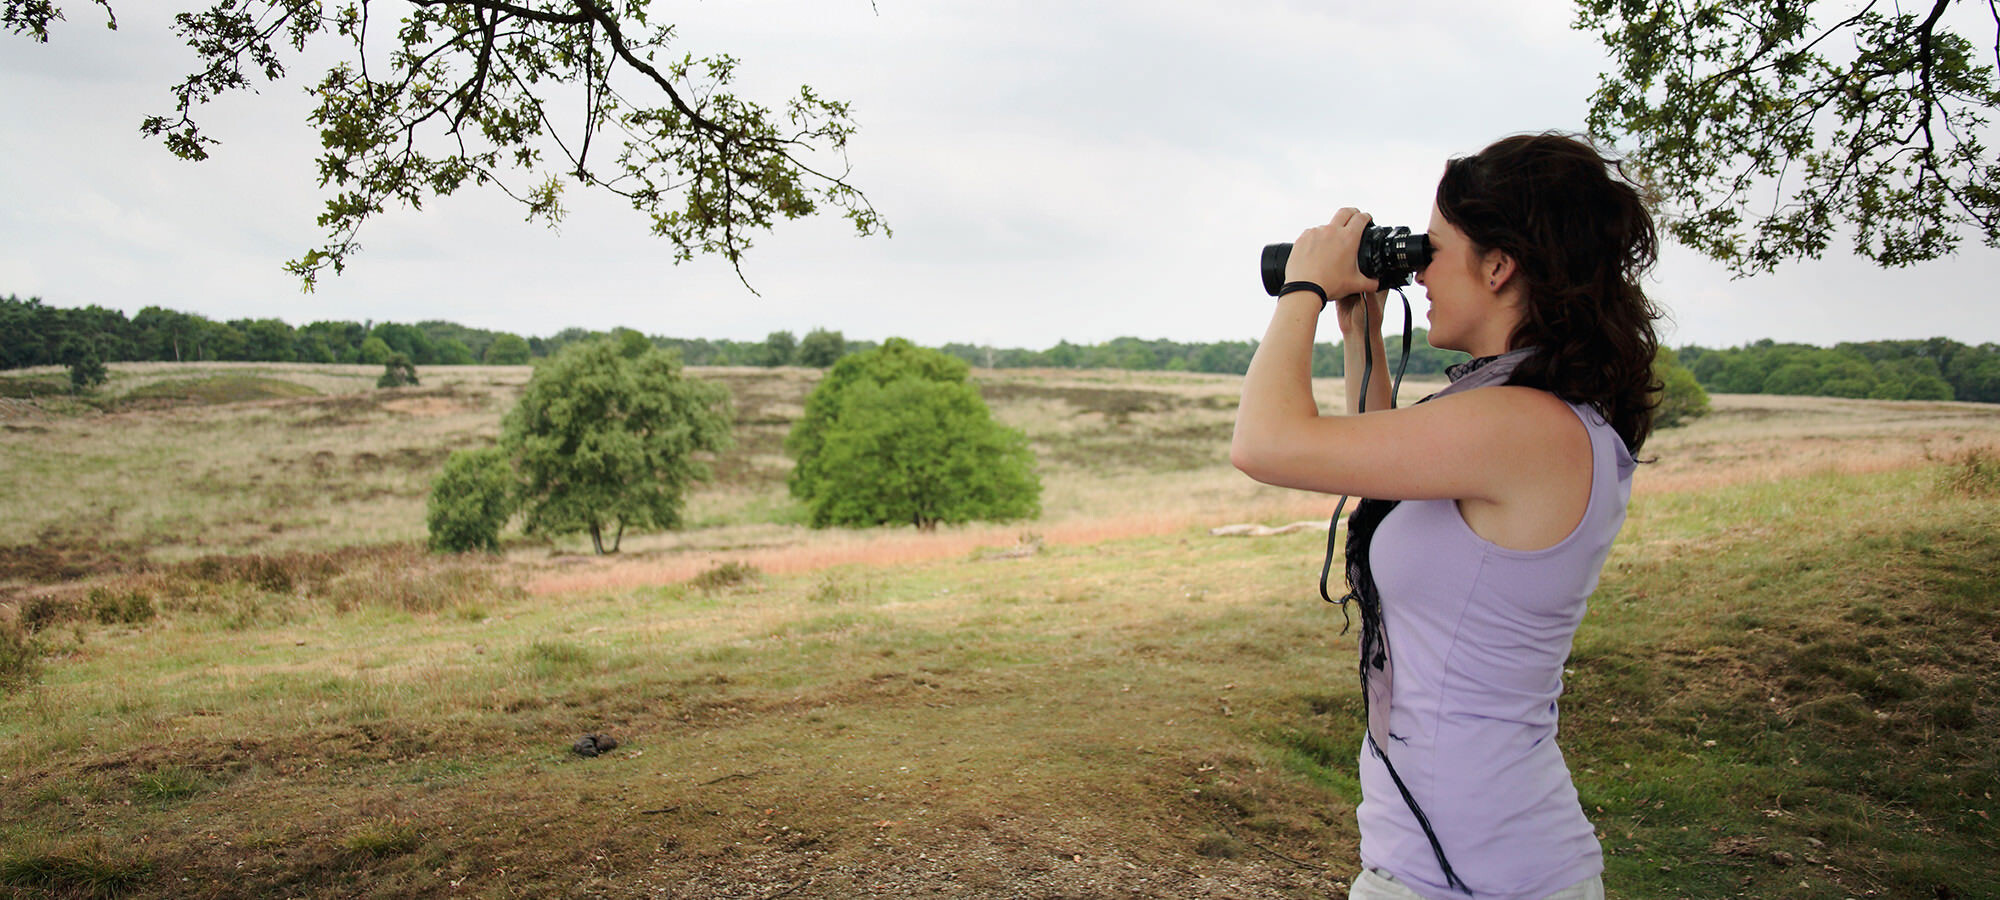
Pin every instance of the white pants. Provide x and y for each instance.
(1375, 884)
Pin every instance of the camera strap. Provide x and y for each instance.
(1361, 406)
(1373, 650)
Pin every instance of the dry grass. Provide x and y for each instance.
(1751, 438)
(1104, 702)
(1121, 454)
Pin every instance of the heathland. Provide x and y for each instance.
(232, 672)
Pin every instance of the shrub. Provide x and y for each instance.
(20, 658)
(1681, 398)
(724, 575)
(397, 371)
(86, 373)
(897, 434)
(126, 607)
(471, 501)
(39, 611)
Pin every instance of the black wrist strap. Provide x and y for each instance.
(1291, 286)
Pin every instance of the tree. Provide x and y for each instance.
(631, 344)
(603, 440)
(452, 352)
(397, 371)
(1871, 120)
(778, 349)
(821, 348)
(86, 373)
(470, 92)
(896, 358)
(1681, 398)
(897, 434)
(374, 351)
(267, 340)
(470, 501)
(507, 350)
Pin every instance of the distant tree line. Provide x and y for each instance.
(33, 334)
(1221, 357)
(1932, 369)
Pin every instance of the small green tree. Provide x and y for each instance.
(602, 441)
(507, 350)
(897, 434)
(631, 344)
(86, 373)
(397, 371)
(471, 501)
(1682, 399)
(896, 358)
(821, 348)
(778, 349)
(374, 351)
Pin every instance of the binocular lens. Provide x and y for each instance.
(1388, 255)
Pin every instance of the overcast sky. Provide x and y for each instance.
(1052, 170)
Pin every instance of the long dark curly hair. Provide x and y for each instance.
(1580, 232)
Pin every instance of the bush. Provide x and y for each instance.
(471, 501)
(1681, 398)
(20, 658)
(897, 435)
(127, 607)
(397, 371)
(86, 374)
(724, 575)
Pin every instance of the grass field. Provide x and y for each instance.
(233, 674)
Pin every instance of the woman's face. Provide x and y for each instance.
(1467, 312)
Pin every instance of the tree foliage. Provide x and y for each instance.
(1681, 398)
(1774, 126)
(1931, 369)
(897, 435)
(507, 350)
(896, 358)
(821, 348)
(779, 348)
(520, 95)
(397, 371)
(470, 501)
(605, 441)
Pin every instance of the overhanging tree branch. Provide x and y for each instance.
(468, 95)
(1714, 99)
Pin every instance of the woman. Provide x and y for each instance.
(1496, 501)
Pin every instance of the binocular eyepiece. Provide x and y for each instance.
(1388, 255)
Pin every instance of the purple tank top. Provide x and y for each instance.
(1477, 637)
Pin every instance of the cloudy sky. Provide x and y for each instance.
(1052, 170)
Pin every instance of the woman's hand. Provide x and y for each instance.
(1326, 256)
(1349, 309)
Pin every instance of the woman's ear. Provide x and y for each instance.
(1498, 267)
